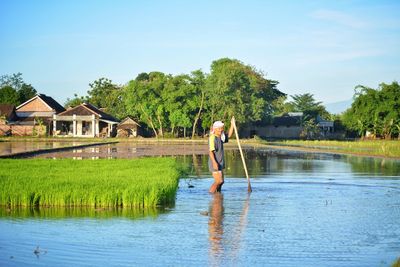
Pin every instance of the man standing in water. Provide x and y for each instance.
(216, 162)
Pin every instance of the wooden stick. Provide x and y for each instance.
(241, 154)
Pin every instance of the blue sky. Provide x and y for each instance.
(322, 47)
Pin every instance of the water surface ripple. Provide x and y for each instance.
(302, 212)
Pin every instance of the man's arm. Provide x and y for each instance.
(214, 162)
(211, 149)
(231, 128)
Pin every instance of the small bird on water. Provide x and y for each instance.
(37, 251)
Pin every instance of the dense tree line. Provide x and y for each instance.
(13, 89)
(179, 105)
(375, 110)
(304, 103)
(172, 104)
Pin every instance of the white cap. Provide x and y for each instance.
(218, 124)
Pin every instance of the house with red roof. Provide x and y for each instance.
(84, 120)
(38, 110)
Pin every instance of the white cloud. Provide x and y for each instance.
(339, 18)
(336, 56)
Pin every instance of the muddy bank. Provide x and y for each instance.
(131, 148)
(30, 149)
(105, 148)
(134, 150)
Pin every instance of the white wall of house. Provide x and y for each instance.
(90, 123)
(79, 128)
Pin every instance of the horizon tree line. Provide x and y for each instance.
(179, 105)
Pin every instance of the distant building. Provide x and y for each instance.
(32, 117)
(288, 126)
(128, 128)
(7, 117)
(38, 110)
(7, 114)
(326, 127)
(282, 127)
(84, 120)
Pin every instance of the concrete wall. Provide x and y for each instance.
(271, 131)
(22, 130)
(5, 130)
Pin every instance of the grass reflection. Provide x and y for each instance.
(78, 212)
(374, 165)
(261, 161)
(396, 263)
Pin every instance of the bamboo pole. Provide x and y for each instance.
(241, 154)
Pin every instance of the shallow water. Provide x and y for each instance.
(14, 147)
(129, 150)
(305, 210)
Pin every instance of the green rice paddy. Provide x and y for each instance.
(135, 183)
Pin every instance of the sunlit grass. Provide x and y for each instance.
(387, 148)
(146, 182)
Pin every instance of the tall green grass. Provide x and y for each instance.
(386, 148)
(145, 182)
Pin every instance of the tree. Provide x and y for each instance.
(100, 92)
(388, 109)
(143, 98)
(198, 80)
(375, 110)
(15, 81)
(76, 101)
(9, 95)
(237, 89)
(178, 118)
(281, 105)
(310, 129)
(309, 106)
(189, 101)
(177, 96)
(107, 95)
(26, 92)
(142, 77)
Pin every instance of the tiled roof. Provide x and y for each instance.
(287, 121)
(104, 115)
(48, 100)
(52, 103)
(128, 123)
(88, 109)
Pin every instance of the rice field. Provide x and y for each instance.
(135, 183)
(385, 148)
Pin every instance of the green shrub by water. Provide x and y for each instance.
(145, 182)
(386, 148)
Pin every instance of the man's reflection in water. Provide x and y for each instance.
(221, 243)
(215, 226)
